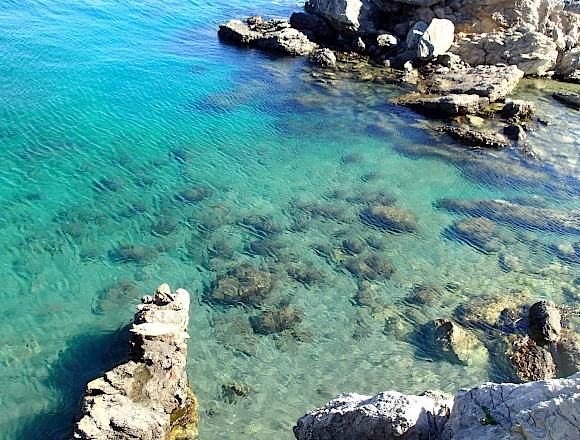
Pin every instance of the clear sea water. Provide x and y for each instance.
(111, 108)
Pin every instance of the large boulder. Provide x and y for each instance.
(323, 58)
(436, 40)
(545, 326)
(493, 82)
(346, 16)
(568, 67)
(538, 410)
(415, 34)
(386, 416)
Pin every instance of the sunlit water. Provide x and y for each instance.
(110, 109)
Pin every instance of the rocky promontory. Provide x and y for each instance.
(148, 397)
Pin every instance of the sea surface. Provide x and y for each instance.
(136, 149)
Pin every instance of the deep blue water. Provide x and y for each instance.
(112, 109)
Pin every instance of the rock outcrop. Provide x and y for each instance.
(449, 105)
(148, 397)
(547, 409)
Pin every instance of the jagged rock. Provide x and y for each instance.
(518, 109)
(566, 355)
(474, 138)
(386, 416)
(526, 361)
(532, 52)
(272, 35)
(545, 324)
(415, 34)
(390, 218)
(436, 40)
(538, 410)
(518, 215)
(568, 67)
(321, 30)
(570, 99)
(450, 105)
(147, 398)
(347, 16)
(492, 82)
(515, 132)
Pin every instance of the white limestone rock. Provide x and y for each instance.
(437, 39)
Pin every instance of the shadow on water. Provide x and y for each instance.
(87, 357)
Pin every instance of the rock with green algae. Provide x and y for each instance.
(148, 397)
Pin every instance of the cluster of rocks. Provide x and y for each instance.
(544, 409)
(148, 397)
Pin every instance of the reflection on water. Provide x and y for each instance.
(313, 222)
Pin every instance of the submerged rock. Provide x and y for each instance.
(386, 416)
(131, 253)
(195, 194)
(457, 345)
(390, 218)
(479, 232)
(569, 99)
(243, 285)
(277, 320)
(526, 361)
(372, 267)
(149, 396)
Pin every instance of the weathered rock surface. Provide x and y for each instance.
(450, 105)
(475, 138)
(456, 344)
(147, 398)
(323, 58)
(568, 67)
(537, 410)
(273, 35)
(348, 16)
(386, 416)
(545, 324)
(492, 82)
(518, 109)
(436, 40)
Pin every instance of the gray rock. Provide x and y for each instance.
(140, 399)
(386, 416)
(391, 218)
(304, 21)
(566, 355)
(569, 99)
(545, 324)
(515, 132)
(346, 16)
(518, 109)
(437, 39)
(474, 138)
(450, 105)
(568, 67)
(272, 35)
(458, 345)
(539, 410)
(415, 34)
(492, 82)
(323, 58)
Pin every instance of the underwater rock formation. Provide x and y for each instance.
(244, 284)
(545, 409)
(390, 218)
(148, 397)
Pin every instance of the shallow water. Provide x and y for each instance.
(111, 110)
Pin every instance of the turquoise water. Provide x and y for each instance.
(111, 109)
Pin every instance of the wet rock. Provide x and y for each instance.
(529, 217)
(277, 320)
(566, 355)
(243, 285)
(545, 324)
(372, 198)
(273, 35)
(474, 138)
(131, 253)
(305, 274)
(372, 267)
(235, 333)
(265, 247)
(479, 232)
(371, 296)
(424, 295)
(164, 227)
(388, 415)
(117, 295)
(440, 106)
(323, 58)
(263, 225)
(194, 195)
(390, 218)
(149, 396)
(491, 82)
(570, 99)
(437, 39)
(325, 211)
(542, 410)
(527, 361)
(518, 109)
(456, 344)
(319, 28)
(352, 158)
(515, 132)
(353, 246)
(232, 391)
(415, 34)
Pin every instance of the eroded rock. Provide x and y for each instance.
(449, 105)
(475, 138)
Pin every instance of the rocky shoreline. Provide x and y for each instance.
(147, 397)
